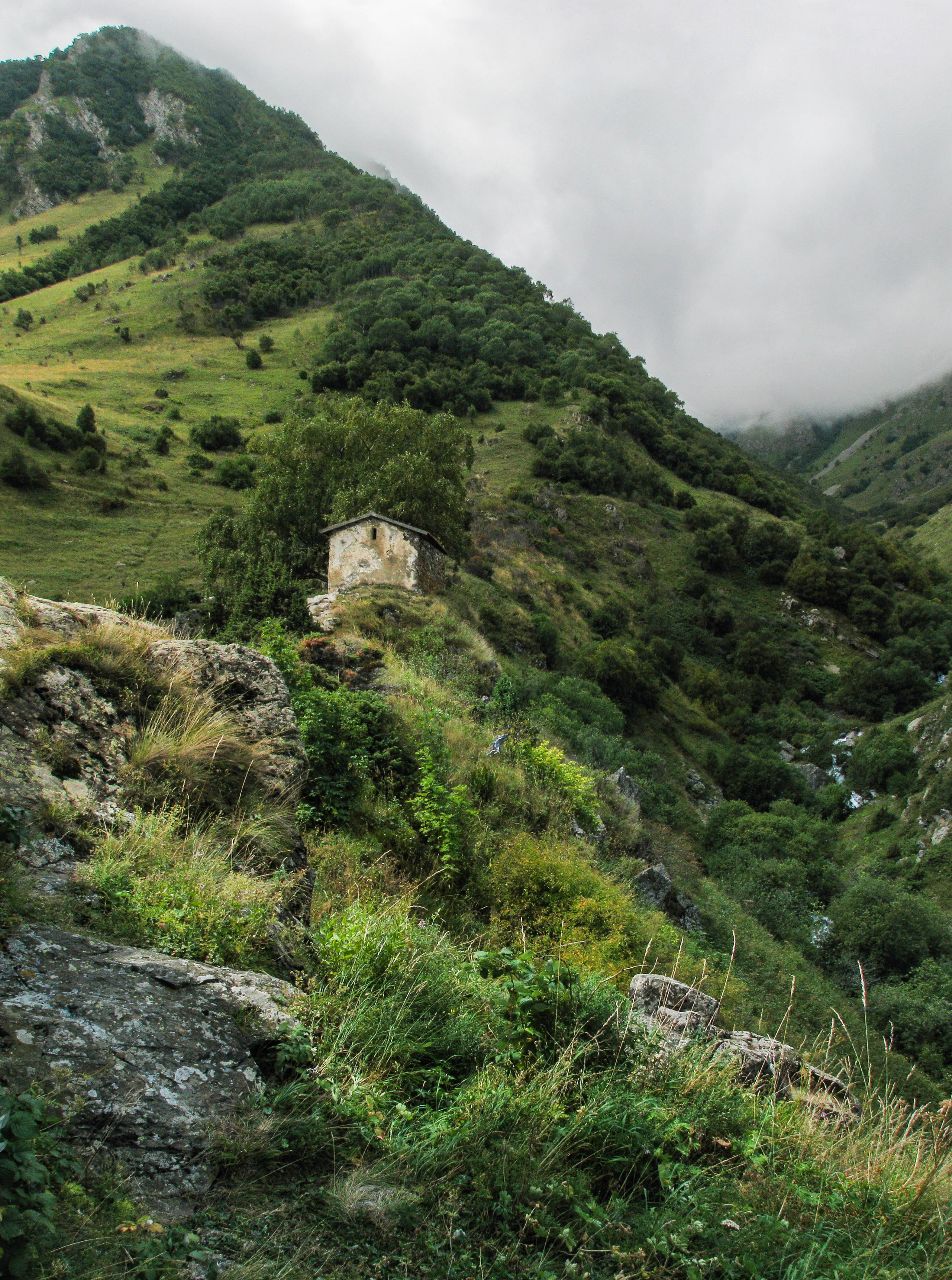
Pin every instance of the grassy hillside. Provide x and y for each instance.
(463, 1093)
(147, 504)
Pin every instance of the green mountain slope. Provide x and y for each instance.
(891, 463)
(183, 374)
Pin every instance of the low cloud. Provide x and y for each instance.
(754, 197)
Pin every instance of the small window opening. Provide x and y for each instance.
(373, 531)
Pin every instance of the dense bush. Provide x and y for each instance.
(26, 421)
(21, 472)
(629, 676)
(917, 1011)
(780, 864)
(27, 1208)
(235, 473)
(351, 739)
(882, 760)
(217, 433)
(168, 595)
(886, 928)
(89, 460)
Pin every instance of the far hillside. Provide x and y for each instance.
(892, 463)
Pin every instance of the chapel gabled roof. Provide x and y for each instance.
(400, 524)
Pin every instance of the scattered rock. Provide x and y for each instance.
(322, 610)
(683, 1014)
(146, 1052)
(626, 785)
(656, 887)
(812, 774)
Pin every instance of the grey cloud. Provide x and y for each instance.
(754, 196)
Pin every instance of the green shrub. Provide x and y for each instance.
(550, 1005)
(630, 677)
(86, 419)
(885, 928)
(168, 595)
(217, 433)
(21, 472)
(89, 460)
(352, 739)
(235, 473)
(163, 440)
(882, 760)
(565, 781)
(442, 814)
(169, 886)
(918, 1011)
(27, 1201)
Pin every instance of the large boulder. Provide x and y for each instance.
(252, 689)
(671, 1005)
(815, 777)
(147, 1053)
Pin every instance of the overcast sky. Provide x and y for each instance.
(755, 194)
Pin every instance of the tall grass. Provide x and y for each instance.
(114, 655)
(171, 885)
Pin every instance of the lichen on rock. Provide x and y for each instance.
(146, 1053)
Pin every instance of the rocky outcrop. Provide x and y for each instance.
(683, 1015)
(64, 743)
(815, 777)
(164, 114)
(657, 889)
(627, 786)
(147, 1054)
(252, 689)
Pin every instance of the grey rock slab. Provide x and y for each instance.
(761, 1059)
(683, 1014)
(815, 777)
(650, 992)
(147, 1052)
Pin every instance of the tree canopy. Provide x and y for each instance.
(349, 458)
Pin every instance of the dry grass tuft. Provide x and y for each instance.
(191, 752)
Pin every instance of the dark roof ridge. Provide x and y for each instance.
(400, 524)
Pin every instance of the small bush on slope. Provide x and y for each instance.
(175, 888)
